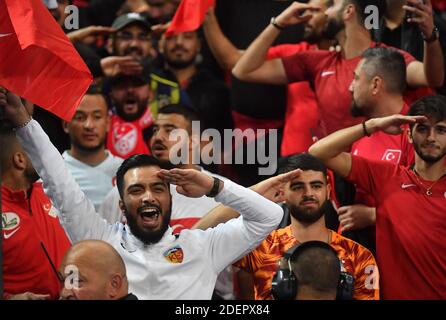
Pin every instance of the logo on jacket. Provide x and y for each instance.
(393, 156)
(48, 208)
(174, 255)
(124, 138)
(10, 222)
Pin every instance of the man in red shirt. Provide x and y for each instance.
(130, 125)
(301, 116)
(33, 240)
(331, 73)
(377, 91)
(410, 201)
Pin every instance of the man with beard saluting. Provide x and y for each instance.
(307, 196)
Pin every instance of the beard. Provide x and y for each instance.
(427, 157)
(142, 107)
(31, 174)
(312, 36)
(308, 216)
(356, 111)
(179, 64)
(333, 27)
(149, 237)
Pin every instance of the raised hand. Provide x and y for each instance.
(14, 110)
(113, 66)
(272, 188)
(296, 13)
(392, 124)
(189, 182)
(81, 34)
(422, 15)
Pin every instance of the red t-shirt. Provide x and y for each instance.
(330, 75)
(410, 229)
(395, 149)
(26, 224)
(125, 138)
(301, 119)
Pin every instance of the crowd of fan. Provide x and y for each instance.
(95, 208)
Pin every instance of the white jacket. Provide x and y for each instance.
(184, 267)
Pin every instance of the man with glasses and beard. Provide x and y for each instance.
(410, 201)
(308, 199)
(92, 166)
(33, 239)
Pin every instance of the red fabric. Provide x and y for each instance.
(26, 224)
(439, 4)
(37, 61)
(301, 118)
(410, 229)
(125, 139)
(331, 75)
(189, 16)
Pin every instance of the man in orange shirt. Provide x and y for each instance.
(307, 198)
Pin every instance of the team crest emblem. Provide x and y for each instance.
(10, 220)
(174, 255)
(124, 138)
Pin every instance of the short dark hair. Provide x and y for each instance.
(361, 5)
(316, 265)
(433, 107)
(389, 64)
(302, 161)
(136, 161)
(187, 112)
(94, 89)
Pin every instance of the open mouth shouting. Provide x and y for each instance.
(150, 216)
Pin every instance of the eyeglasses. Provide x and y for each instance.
(130, 37)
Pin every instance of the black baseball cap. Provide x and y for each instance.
(130, 18)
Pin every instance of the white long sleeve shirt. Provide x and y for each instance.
(183, 267)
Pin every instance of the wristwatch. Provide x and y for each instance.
(433, 37)
(215, 188)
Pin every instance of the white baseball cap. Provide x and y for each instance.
(50, 4)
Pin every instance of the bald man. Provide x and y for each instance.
(93, 270)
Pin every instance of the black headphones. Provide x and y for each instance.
(284, 283)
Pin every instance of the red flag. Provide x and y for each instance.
(189, 16)
(37, 61)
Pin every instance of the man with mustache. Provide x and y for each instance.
(301, 116)
(377, 91)
(131, 122)
(93, 167)
(307, 198)
(332, 72)
(410, 201)
(209, 96)
(159, 264)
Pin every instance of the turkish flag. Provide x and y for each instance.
(189, 16)
(37, 61)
